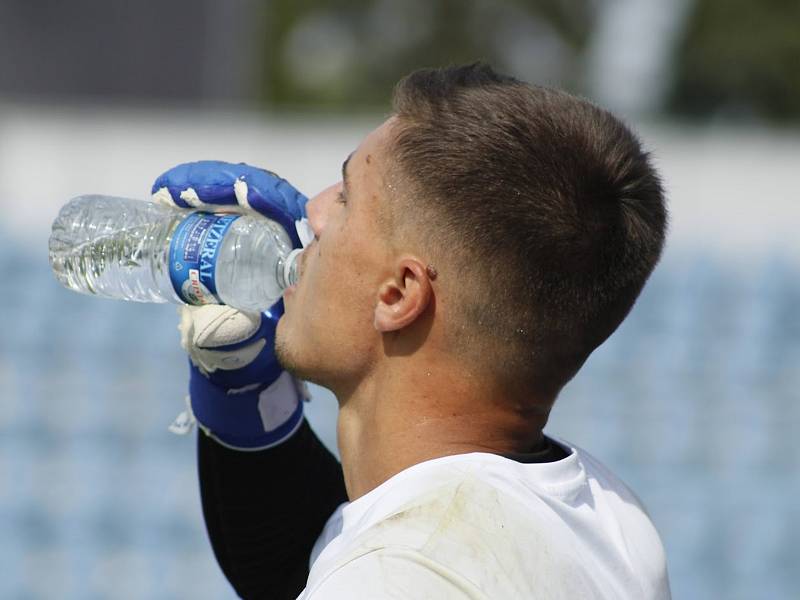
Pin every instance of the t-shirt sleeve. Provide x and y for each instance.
(396, 574)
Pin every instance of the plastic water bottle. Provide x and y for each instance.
(136, 250)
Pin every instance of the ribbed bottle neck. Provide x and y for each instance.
(287, 270)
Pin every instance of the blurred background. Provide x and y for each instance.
(694, 401)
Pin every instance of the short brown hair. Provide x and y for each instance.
(551, 211)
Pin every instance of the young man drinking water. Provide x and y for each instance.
(482, 242)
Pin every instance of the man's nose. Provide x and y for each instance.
(318, 207)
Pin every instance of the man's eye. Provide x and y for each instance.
(341, 198)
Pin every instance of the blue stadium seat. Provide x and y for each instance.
(694, 402)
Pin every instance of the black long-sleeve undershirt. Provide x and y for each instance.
(265, 509)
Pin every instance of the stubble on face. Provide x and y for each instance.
(283, 352)
(288, 357)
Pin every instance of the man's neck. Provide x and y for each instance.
(406, 417)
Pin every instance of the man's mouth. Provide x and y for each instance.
(301, 264)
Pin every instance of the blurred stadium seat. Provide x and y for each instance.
(693, 401)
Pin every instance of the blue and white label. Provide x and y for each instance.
(193, 255)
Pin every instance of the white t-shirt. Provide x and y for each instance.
(481, 526)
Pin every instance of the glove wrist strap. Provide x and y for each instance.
(251, 418)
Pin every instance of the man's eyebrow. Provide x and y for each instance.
(344, 170)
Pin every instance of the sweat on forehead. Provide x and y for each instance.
(370, 175)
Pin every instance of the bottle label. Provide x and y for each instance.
(193, 255)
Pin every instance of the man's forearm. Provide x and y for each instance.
(265, 509)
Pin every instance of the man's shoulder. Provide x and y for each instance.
(467, 532)
(519, 534)
(481, 499)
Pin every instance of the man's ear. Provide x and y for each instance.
(404, 297)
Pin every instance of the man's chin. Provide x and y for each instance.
(287, 357)
(284, 354)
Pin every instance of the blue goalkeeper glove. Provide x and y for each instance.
(238, 392)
